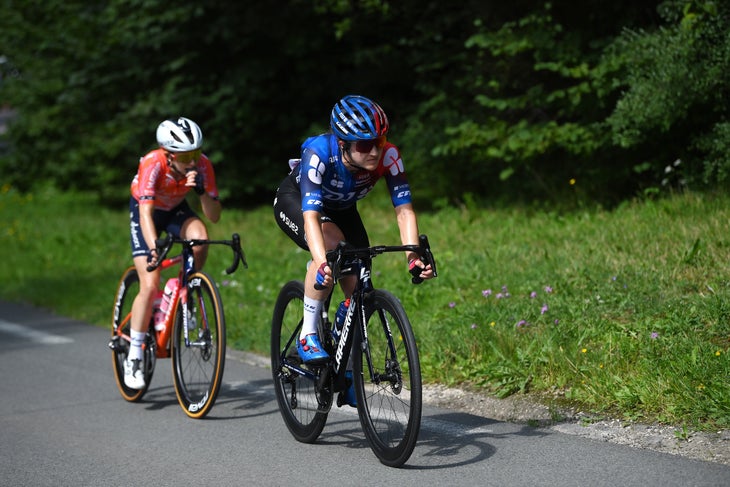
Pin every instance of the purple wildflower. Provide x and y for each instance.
(654, 335)
(533, 295)
(486, 293)
(544, 309)
(452, 304)
(548, 289)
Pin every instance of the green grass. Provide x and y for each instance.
(623, 312)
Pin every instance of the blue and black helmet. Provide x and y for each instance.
(355, 117)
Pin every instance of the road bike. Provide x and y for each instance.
(386, 372)
(191, 330)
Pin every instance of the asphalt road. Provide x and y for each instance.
(63, 423)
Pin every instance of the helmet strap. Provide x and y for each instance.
(172, 166)
(346, 148)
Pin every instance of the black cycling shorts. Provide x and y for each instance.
(289, 216)
(169, 221)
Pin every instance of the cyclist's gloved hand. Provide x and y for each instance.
(152, 260)
(199, 185)
(321, 276)
(415, 269)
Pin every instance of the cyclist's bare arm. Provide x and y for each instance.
(408, 226)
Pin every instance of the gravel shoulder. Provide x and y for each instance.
(705, 446)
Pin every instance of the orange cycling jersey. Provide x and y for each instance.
(155, 181)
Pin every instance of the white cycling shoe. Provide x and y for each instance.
(134, 374)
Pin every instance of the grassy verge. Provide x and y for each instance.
(624, 312)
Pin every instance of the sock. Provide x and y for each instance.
(135, 346)
(312, 311)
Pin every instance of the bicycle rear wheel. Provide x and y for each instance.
(389, 401)
(119, 343)
(198, 364)
(299, 401)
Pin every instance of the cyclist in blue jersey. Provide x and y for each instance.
(316, 204)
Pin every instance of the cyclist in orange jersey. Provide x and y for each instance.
(164, 178)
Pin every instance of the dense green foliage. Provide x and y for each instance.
(622, 312)
(486, 99)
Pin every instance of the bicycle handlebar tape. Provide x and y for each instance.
(237, 253)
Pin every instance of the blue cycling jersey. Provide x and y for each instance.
(325, 182)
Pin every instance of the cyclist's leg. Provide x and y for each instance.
(352, 230)
(148, 281)
(142, 304)
(290, 218)
(188, 225)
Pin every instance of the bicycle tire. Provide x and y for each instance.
(127, 290)
(296, 395)
(389, 403)
(198, 366)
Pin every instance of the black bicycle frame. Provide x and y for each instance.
(335, 260)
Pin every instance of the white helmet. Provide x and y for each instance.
(179, 135)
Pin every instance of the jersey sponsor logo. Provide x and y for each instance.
(133, 227)
(330, 195)
(289, 223)
(315, 170)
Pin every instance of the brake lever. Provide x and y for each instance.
(426, 257)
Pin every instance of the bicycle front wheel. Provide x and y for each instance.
(127, 291)
(387, 379)
(299, 402)
(198, 363)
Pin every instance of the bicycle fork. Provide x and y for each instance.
(392, 372)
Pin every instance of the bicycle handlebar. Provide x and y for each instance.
(344, 250)
(163, 246)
